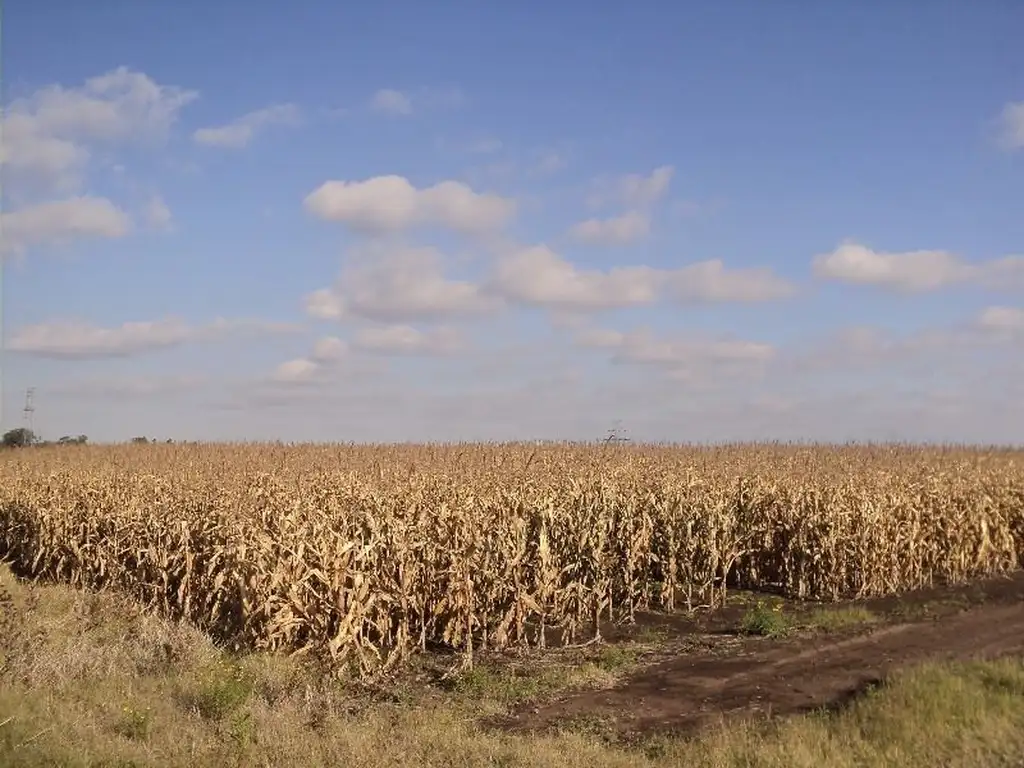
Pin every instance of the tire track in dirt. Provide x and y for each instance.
(772, 677)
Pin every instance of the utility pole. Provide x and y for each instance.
(29, 408)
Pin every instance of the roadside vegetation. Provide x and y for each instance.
(91, 680)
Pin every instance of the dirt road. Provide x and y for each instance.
(787, 676)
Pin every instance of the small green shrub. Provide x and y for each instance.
(222, 692)
(764, 620)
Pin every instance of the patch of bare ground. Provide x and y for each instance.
(817, 657)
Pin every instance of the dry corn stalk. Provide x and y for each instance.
(369, 553)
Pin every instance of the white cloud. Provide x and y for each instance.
(912, 271)
(391, 283)
(908, 271)
(392, 204)
(404, 339)
(633, 190)
(382, 340)
(1005, 273)
(640, 190)
(72, 340)
(1011, 126)
(293, 371)
(398, 103)
(709, 281)
(391, 102)
(541, 277)
(61, 221)
(618, 230)
(238, 133)
(327, 352)
(329, 349)
(37, 159)
(324, 304)
(1001, 319)
(157, 214)
(46, 136)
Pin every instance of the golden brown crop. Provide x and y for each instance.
(370, 552)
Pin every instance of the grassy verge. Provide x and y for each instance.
(88, 680)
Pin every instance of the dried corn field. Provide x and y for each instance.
(369, 553)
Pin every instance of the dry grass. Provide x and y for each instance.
(366, 554)
(88, 680)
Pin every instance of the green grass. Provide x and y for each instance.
(834, 619)
(765, 620)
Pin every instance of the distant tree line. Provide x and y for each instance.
(23, 437)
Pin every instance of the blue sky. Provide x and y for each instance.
(411, 222)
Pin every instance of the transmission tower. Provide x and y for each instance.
(29, 409)
(616, 434)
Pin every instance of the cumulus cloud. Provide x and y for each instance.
(327, 353)
(61, 221)
(47, 136)
(396, 283)
(407, 340)
(1011, 126)
(912, 271)
(618, 230)
(238, 133)
(633, 190)
(907, 271)
(541, 277)
(392, 204)
(72, 340)
(538, 276)
(331, 354)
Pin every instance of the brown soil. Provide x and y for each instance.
(714, 673)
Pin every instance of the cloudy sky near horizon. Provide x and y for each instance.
(408, 221)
